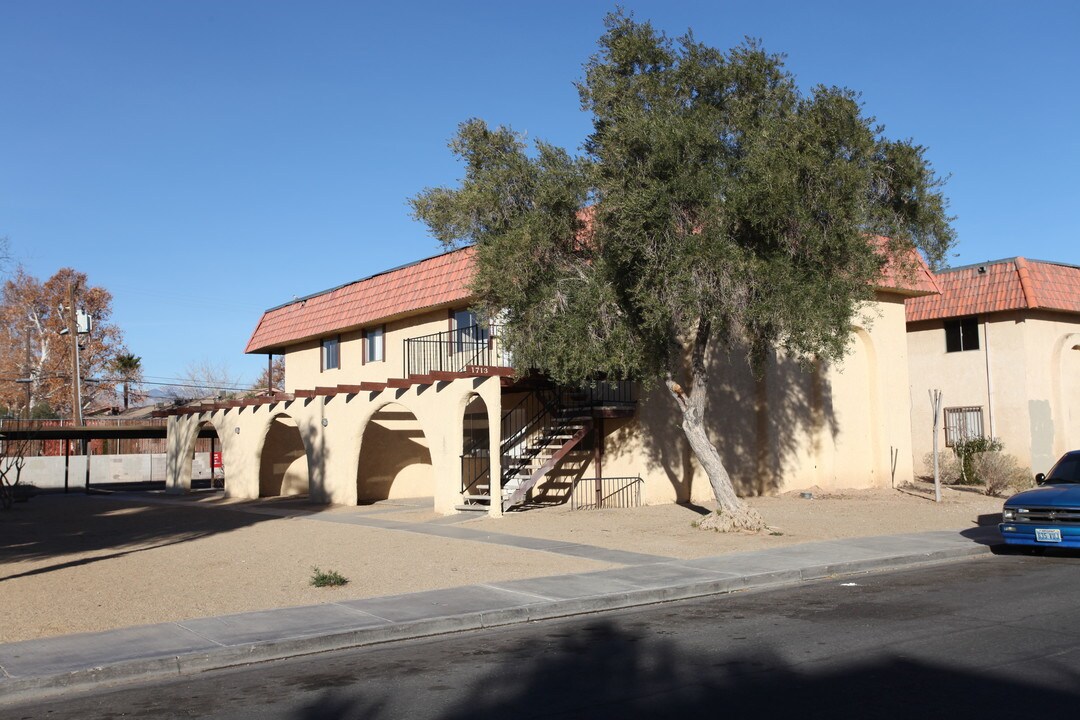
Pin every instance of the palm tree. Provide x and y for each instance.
(129, 368)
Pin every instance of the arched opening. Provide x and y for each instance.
(475, 450)
(207, 468)
(283, 467)
(395, 461)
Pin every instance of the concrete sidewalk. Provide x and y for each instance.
(40, 667)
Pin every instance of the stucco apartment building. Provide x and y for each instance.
(394, 389)
(1002, 343)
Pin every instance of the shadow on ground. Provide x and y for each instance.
(604, 672)
(55, 527)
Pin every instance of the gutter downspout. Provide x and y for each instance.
(989, 382)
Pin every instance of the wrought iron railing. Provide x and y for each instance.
(519, 426)
(460, 350)
(613, 492)
(527, 427)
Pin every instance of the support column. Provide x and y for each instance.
(494, 411)
(180, 438)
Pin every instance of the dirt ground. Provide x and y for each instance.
(73, 563)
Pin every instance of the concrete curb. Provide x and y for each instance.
(22, 689)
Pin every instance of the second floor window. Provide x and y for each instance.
(962, 334)
(470, 333)
(374, 345)
(331, 353)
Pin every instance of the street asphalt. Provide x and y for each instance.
(46, 667)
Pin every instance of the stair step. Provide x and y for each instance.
(481, 498)
(472, 508)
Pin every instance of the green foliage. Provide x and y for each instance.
(329, 578)
(128, 370)
(713, 201)
(966, 453)
(43, 411)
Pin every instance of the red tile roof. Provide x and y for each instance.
(1012, 284)
(437, 281)
(913, 278)
(440, 280)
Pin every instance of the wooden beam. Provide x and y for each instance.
(350, 389)
(372, 387)
(443, 375)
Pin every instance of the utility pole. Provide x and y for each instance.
(76, 380)
(29, 377)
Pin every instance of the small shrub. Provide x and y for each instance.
(329, 578)
(948, 468)
(968, 451)
(1001, 473)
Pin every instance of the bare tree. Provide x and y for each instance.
(206, 379)
(272, 377)
(12, 460)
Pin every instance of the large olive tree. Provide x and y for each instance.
(713, 206)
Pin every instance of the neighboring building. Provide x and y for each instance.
(393, 389)
(1002, 343)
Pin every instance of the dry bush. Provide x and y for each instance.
(948, 467)
(1001, 473)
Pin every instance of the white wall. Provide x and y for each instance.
(48, 472)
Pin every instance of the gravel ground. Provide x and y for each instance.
(72, 563)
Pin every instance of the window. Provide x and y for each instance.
(331, 353)
(962, 423)
(374, 344)
(962, 334)
(469, 333)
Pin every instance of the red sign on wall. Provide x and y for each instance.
(215, 461)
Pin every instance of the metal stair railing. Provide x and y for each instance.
(531, 426)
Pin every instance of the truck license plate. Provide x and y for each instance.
(1047, 535)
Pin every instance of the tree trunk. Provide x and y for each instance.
(732, 513)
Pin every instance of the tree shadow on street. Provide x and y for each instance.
(601, 671)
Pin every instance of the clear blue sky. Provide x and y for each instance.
(208, 160)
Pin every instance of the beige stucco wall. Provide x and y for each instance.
(395, 461)
(795, 428)
(283, 467)
(332, 430)
(303, 360)
(1025, 375)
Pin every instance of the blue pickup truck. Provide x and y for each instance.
(1048, 515)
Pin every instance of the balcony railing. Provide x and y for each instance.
(463, 350)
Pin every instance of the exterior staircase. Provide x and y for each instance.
(538, 433)
(553, 448)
